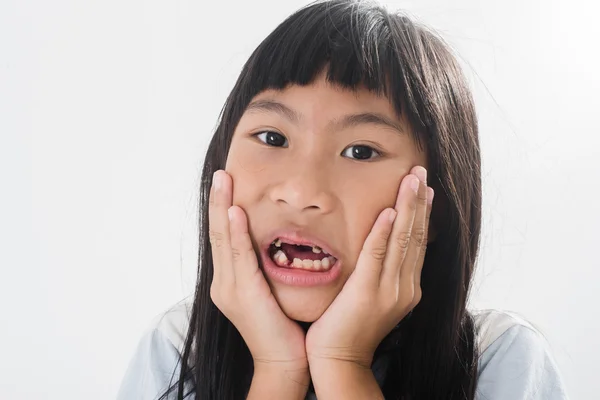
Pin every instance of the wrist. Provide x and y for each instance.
(343, 379)
(329, 366)
(356, 359)
(294, 366)
(279, 380)
(282, 370)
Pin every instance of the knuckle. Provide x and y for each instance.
(419, 236)
(378, 251)
(241, 248)
(216, 238)
(403, 239)
(235, 253)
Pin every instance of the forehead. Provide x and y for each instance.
(323, 100)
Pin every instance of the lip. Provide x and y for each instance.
(298, 276)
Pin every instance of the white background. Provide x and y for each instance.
(106, 109)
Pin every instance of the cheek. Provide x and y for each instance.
(361, 211)
(244, 167)
(358, 227)
(247, 157)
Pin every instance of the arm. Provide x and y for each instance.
(347, 380)
(277, 383)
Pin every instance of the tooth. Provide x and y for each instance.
(317, 264)
(316, 249)
(314, 265)
(280, 257)
(278, 243)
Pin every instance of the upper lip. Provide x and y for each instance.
(298, 237)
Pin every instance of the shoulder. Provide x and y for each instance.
(491, 324)
(173, 323)
(515, 359)
(155, 364)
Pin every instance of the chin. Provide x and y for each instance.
(303, 304)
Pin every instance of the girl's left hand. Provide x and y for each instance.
(385, 285)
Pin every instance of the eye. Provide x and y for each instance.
(272, 139)
(360, 152)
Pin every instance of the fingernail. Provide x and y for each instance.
(422, 174)
(414, 184)
(230, 214)
(217, 180)
(430, 194)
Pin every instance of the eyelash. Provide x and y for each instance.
(266, 133)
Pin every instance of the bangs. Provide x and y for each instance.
(358, 45)
(350, 39)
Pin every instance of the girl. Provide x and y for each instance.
(326, 268)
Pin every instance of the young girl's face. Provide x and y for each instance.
(317, 164)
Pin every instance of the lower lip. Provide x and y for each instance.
(298, 276)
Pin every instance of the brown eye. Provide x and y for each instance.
(272, 139)
(360, 152)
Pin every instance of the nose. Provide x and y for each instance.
(304, 188)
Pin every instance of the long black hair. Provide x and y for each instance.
(432, 354)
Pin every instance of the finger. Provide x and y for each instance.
(370, 261)
(406, 206)
(418, 237)
(245, 264)
(421, 260)
(218, 225)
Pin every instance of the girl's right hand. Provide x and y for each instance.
(240, 290)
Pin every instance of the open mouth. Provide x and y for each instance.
(296, 256)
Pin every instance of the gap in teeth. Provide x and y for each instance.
(315, 249)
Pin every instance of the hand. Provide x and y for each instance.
(385, 285)
(242, 293)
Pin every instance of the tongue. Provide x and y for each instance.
(302, 252)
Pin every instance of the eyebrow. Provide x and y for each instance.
(347, 121)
